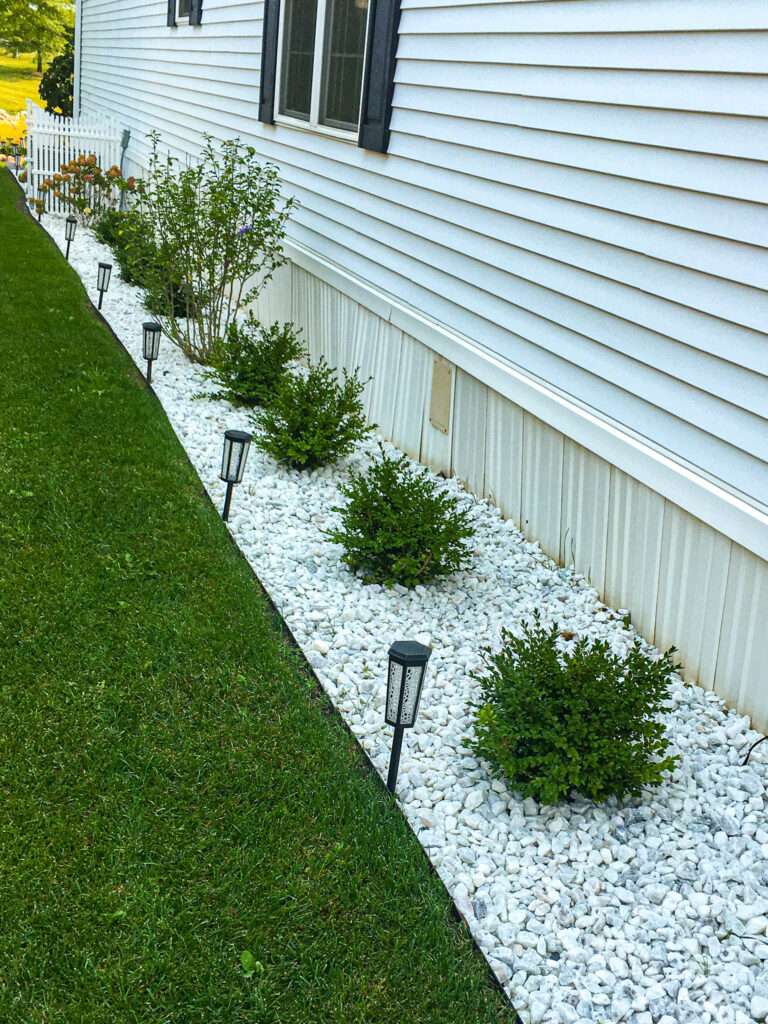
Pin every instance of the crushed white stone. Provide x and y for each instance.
(648, 911)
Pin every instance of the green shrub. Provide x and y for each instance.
(136, 256)
(552, 721)
(252, 361)
(109, 227)
(399, 527)
(122, 233)
(313, 418)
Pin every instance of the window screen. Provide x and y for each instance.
(298, 57)
(344, 54)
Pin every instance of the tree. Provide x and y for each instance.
(40, 25)
(57, 83)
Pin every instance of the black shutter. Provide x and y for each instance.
(269, 61)
(172, 13)
(379, 76)
(196, 12)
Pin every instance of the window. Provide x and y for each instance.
(185, 12)
(321, 65)
(335, 63)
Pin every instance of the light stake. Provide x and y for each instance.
(152, 334)
(407, 668)
(70, 224)
(236, 445)
(102, 279)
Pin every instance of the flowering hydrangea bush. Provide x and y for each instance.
(89, 190)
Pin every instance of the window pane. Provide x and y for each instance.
(298, 57)
(345, 48)
(184, 8)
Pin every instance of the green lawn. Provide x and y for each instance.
(173, 790)
(18, 81)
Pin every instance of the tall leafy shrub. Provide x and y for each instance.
(218, 227)
(552, 721)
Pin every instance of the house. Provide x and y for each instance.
(542, 226)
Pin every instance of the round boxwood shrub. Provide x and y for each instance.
(313, 418)
(252, 361)
(553, 721)
(399, 527)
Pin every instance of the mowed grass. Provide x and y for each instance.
(173, 790)
(19, 81)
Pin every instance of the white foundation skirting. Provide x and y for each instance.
(684, 582)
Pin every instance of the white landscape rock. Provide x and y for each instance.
(646, 911)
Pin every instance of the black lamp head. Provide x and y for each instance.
(70, 224)
(102, 281)
(236, 445)
(152, 334)
(407, 668)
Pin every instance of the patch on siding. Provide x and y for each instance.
(440, 404)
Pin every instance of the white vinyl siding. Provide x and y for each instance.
(578, 186)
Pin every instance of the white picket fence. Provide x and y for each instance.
(53, 140)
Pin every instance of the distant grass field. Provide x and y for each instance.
(18, 81)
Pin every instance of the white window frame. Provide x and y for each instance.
(313, 124)
(181, 19)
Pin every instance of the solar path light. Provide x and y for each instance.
(102, 279)
(407, 668)
(152, 334)
(16, 156)
(70, 225)
(236, 445)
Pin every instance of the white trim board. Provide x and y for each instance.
(706, 499)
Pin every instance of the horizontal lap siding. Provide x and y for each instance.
(578, 186)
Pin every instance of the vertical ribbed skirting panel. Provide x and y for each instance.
(542, 484)
(742, 656)
(633, 550)
(504, 455)
(470, 432)
(683, 583)
(692, 581)
(585, 512)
